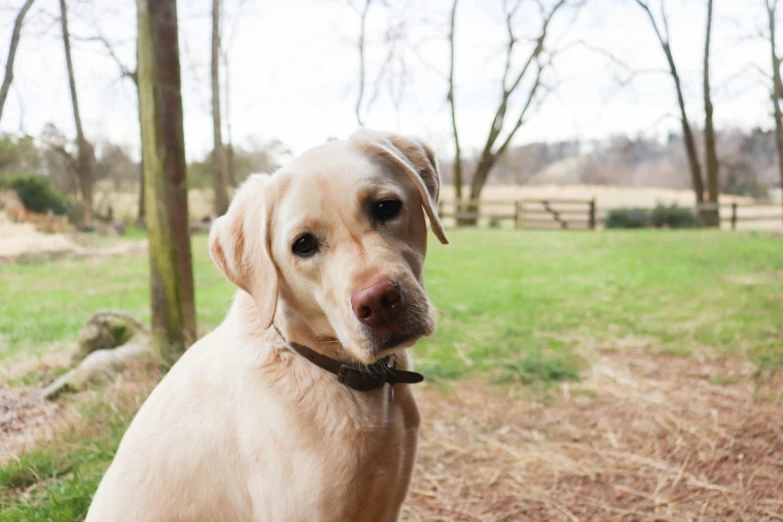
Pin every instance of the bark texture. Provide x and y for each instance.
(711, 215)
(165, 181)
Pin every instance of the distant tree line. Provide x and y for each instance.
(747, 162)
(115, 168)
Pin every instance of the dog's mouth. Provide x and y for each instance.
(395, 339)
(404, 334)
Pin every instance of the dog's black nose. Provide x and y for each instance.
(378, 304)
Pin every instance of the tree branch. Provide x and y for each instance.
(630, 72)
(511, 38)
(531, 96)
(125, 72)
(9, 64)
(69, 63)
(361, 62)
(500, 114)
(646, 8)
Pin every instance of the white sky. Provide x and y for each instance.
(294, 69)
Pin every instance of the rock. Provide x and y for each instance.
(108, 342)
(107, 329)
(100, 363)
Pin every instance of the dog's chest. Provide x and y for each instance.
(344, 458)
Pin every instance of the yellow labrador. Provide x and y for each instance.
(298, 406)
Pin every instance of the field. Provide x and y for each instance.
(574, 376)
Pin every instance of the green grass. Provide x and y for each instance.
(524, 307)
(55, 483)
(44, 305)
(505, 294)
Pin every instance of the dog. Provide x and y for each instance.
(298, 406)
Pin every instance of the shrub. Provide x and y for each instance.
(628, 218)
(674, 217)
(35, 193)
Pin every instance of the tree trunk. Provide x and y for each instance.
(219, 153)
(230, 165)
(480, 176)
(16, 34)
(690, 144)
(85, 172)
(141, 218)
(230, 174)
(777, 88)
(458, 206)
(710, 216)
(165, 180)
(687, 135)
(85, 158)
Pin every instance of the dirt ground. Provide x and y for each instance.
(21, 242)
(642, 438)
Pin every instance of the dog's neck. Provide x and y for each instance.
(292, 327)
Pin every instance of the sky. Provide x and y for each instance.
(293, 69)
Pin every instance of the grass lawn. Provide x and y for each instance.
(528, 307)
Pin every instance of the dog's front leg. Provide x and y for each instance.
(411, 420)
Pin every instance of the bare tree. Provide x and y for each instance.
(452, 105)
(230, 153)
(220, 204)
(362, 65)
(394, 39)
(690, 143)
(16, 35)
(226, 41)
(494, 148)
(777, 83)
(131, 74)
(711, 214)
(84, 164)
(163, 145)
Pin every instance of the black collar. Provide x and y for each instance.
(361, 378)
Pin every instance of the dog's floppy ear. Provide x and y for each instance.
(239, 246)
(416, 159)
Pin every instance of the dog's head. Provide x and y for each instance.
(333, 245)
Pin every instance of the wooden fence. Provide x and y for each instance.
(528, 213)
(571, 214)
(736, 213)
(583, 214)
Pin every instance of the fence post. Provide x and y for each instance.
(591, 214)
(516, 215)
(734, 215)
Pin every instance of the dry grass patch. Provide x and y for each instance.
(644, 438)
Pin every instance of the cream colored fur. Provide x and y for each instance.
(244, 429)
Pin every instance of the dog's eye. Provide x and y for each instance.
(387, 209)
(305, 245)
